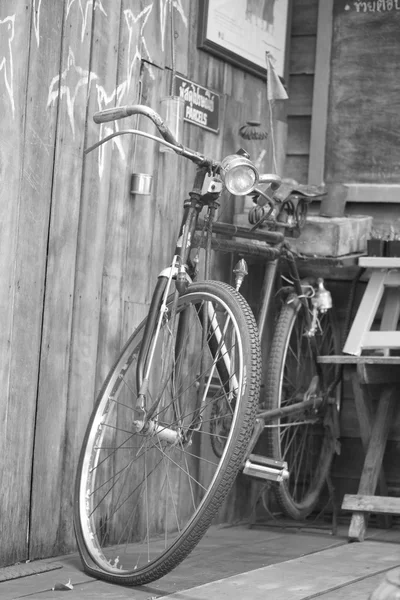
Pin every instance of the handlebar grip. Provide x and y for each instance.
(111, 114)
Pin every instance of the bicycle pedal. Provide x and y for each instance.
(266, 468)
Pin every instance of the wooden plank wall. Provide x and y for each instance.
(25, 183)
(78, 253)
(300, 87)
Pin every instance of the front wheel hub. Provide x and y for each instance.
(153, 428)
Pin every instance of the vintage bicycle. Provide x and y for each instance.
(180, 413)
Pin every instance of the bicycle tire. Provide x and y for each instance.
(219, 425)
(114, 542)
(304, 441)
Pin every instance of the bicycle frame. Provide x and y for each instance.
(192, 210)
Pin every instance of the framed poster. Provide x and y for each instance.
(242, 31)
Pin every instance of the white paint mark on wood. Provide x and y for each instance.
(39, 141)
(98, 5)
(165, 8)
(104, 101)
(7, 29)
(134, 51)
(69, 84)
(35, 180)
(134, 54)
(36, 19)
(73, 78)
(84, 11)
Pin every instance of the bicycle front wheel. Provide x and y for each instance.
(145, 496)
(305, 441)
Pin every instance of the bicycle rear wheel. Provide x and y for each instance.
(143, 499)
(305, 441)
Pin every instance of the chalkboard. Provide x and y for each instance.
(363, 130)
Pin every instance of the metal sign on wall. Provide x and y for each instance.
(201, 104)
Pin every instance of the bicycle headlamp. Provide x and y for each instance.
(238, 174)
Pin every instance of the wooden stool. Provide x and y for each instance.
(371, 370)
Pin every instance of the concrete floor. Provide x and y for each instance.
(274, 562)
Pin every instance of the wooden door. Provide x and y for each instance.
(79, 254)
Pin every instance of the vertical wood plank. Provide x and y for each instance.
(155, 23)
(68, 91)
(117, 233)
(16, 410)
(321, 92)
(302, 54)
(35, 207)
(138, 285)
(168, 204)
(181, 22)
(91, 243)
(304, 17)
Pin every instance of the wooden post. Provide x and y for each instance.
(321, 92)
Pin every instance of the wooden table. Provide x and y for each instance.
(381, 368)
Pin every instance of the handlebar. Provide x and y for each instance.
(121, 112)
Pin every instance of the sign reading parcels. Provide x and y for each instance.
(201, 104)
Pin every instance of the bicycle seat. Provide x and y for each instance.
(291, 187)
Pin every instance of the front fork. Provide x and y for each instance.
(163, 307)
(159, 311)
(213, 336)
(178, 272)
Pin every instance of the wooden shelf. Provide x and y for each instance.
(357, 360)
(374, 504)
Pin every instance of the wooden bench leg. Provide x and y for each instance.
(366, 312)
(373, 460)
(365, 414)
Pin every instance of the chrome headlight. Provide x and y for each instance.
(238, 174)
